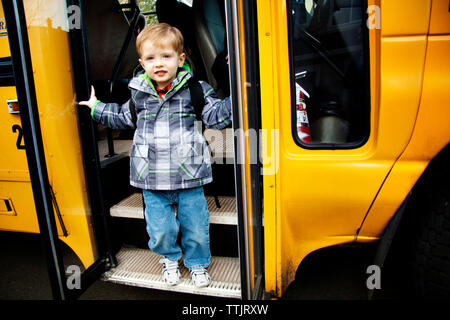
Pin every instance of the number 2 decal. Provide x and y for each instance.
(19, 141)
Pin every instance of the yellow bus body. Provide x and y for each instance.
(320, 198)
(312, 198)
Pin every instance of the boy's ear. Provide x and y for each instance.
(141, 62)
(182, 58)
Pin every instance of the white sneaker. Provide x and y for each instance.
(200, 277)
(171, 273)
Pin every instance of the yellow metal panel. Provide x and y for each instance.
(431, 134)
(322, 196)
(402, 60)
(432, 129)
(21, 195)
(13, 161)
(399, 183)
(405, 17)
(440, 17)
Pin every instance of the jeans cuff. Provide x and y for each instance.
(196, 265)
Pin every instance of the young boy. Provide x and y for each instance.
(170, 160)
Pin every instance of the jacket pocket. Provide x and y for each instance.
(139, 162)
(195, 162)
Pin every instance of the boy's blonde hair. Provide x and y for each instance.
(161, 34)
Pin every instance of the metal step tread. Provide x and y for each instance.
(132, 207)
(141, 268)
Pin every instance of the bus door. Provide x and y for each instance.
(31, 160)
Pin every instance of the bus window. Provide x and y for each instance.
(329, 72)
(6, 72)
(146, 7)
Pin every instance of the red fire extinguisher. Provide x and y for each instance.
(303, 130)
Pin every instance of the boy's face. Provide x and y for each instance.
(160, 63)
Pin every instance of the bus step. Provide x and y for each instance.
(131, 207)
(141, 268)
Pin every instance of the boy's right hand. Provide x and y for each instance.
(90, 103)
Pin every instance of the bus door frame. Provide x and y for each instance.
(250, 226)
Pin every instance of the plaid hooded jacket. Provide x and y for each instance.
(169, 151)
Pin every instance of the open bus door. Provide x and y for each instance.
(44, 198)
(21, 61)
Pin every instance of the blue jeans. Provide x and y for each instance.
(192, 220)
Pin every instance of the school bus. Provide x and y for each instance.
(340, 136)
